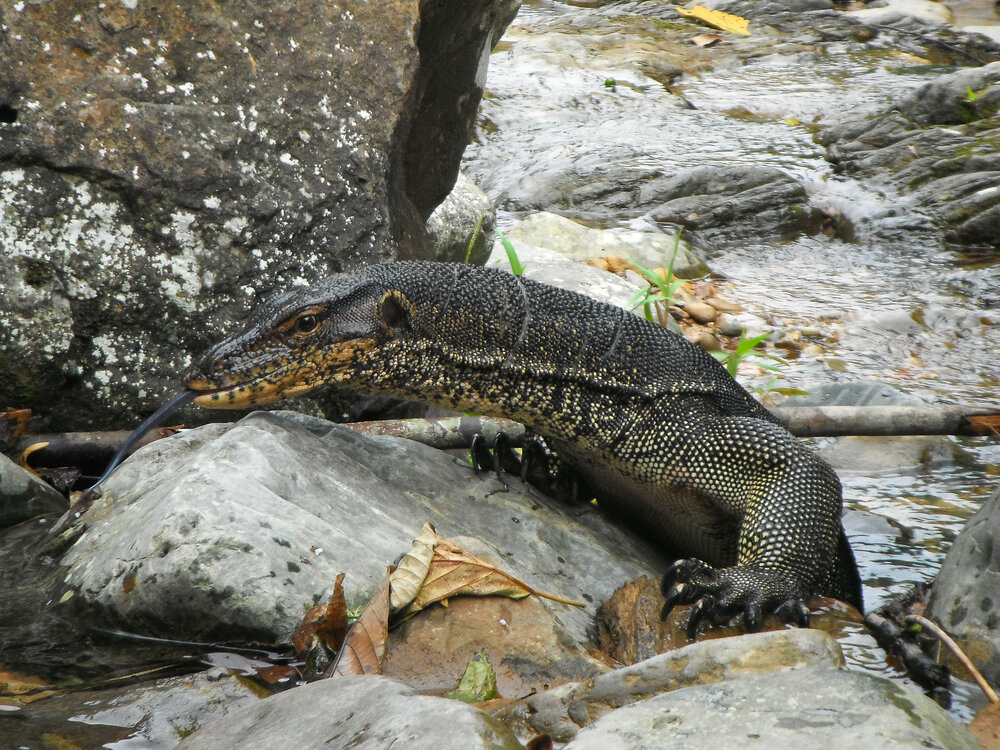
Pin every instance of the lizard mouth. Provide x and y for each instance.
(291, 377)
(259, 391)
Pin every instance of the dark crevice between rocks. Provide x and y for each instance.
(8, 114)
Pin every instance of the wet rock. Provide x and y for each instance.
(155, 715)
(709, 342)
(465, 214)
(366, 713)
(836, 708)
(891, 10)
(159, 170)
(964, 597)
(874, 454)
(727, 204)
(578, 242)
(564, 711)
(233, 531)
(729, 325)
(940, 143)
(24, 496)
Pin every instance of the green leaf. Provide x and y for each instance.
(515, 263)
(479, 683)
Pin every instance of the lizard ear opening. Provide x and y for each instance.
(395, 310)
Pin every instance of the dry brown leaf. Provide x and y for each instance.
(717, 19)
(455, 572)
(364, 648)
(405, 581)
(324, 623)
(13, 423)
(706, 40)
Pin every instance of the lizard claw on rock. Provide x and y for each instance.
(721, 594)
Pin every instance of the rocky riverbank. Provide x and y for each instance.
(217, 540)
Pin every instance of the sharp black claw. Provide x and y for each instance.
(477, 448)
(670, 577)
(699, 612)
(752, 617)
(672, 597)
(803, 614)
(794, 610)
(501, 447)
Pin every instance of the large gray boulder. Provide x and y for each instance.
(965, 597)
(160, 170)
(233, 531)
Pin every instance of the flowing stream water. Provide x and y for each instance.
(566, 98)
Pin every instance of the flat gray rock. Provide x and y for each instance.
(361, 713)
(828, 708)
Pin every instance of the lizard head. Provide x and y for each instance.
(299, 341)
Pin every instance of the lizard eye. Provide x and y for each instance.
(306, 323)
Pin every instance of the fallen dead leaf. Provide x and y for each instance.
(364, 647)
(455, 572)
(325, 623)
(406, 580)
(986, 727)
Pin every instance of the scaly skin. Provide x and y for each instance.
(657, 427)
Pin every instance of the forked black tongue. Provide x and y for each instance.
(176, 403)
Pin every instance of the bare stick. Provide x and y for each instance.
(946, 639)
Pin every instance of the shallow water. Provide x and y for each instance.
(892, 302)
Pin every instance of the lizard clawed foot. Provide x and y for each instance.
(536, 465)
(499, 457)
(720, 594)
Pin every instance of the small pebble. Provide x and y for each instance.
(701, 312)
(728, 325)
(723, 306)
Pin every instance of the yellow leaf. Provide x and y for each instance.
(717, 19)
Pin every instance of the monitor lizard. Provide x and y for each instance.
(668, 440)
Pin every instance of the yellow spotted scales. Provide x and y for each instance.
(657, 428)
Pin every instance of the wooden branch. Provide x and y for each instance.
(93, 450)
(834, 421)
(445, 433)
